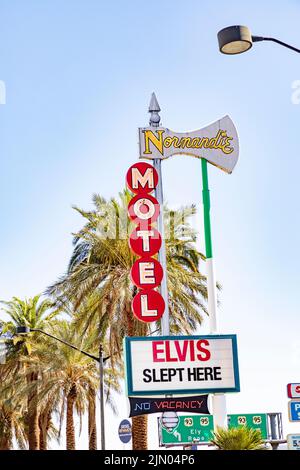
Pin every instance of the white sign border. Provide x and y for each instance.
(128, 363)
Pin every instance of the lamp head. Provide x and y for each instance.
(235, 40)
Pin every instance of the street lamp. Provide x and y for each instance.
(24, 330)
(237, 39)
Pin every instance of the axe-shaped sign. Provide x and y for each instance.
(217, 143)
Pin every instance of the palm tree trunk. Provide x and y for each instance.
(140, 432)
(139, 423)
(70, 430)
(44, 426)
(4, 445)
(33, 416)
(43, 438)
(7, 437)
(92, 420)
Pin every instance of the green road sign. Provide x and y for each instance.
(190, 429)
(199, 429)
(253, 421)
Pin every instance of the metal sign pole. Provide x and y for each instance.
(154, 122)
(218, 400)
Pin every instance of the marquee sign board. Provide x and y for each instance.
(293, 390)
(181, 364)
(217, 143)
(143, 406)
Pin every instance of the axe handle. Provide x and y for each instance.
(206, 210)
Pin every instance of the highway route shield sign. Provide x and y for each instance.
(253, 421)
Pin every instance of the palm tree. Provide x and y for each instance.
(70, 379)
(11, 422)
(99, 270)
(47, 429)
(241, 438)
(33, 313)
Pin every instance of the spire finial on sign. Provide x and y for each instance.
(154, 110)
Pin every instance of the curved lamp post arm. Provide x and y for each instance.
(261, 38)
(101, 360)
(67, 344)
(238, 39)
(25, 330)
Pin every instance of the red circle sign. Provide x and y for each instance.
(146, 273)
(148, 305)
(143, 209)
(141, 178)
(145, 241)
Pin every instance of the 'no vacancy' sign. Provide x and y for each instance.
(181, 364)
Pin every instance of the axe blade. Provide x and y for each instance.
(218, 143)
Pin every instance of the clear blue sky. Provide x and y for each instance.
(79, 75)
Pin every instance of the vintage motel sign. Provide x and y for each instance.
(181, 364)
(293, 390)
(294, 410)
(146, 273)
(217, 143)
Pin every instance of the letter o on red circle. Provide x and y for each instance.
(143, 209)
